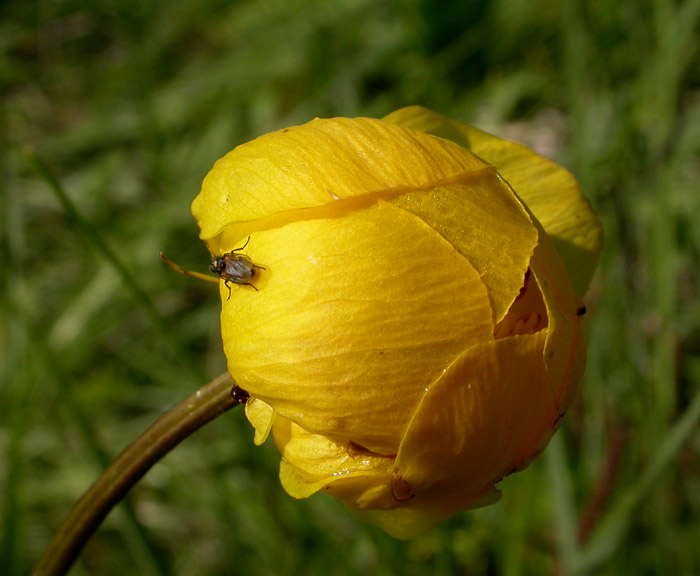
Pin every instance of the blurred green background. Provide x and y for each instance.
(129, 104)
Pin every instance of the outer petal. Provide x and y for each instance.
(565, 349)
(308, 166)
(469, 432)
(327, 167)
(382, 342)
(471, 429)
(413, 521)
(488, 225)
(549, 191)
(311, 462)
(261, 416)
(362, 480)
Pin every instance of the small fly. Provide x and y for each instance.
(231, 267)
(235, 267)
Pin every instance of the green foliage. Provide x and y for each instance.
(127, 104)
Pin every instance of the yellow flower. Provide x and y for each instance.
(415, 335)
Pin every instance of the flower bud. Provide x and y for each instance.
(413, 332)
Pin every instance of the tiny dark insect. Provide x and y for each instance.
(235, 267)
(581, 311)
(239, 395)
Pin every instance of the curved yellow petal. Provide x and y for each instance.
(489, 415)
(261, 416)
(488, 225)
(548, 190)
(282, 174)
(365, 482)
(355, 318)
(311, 462)
(401, 523)
(413, 521)
(565, 349)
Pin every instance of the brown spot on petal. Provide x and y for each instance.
(400, 489)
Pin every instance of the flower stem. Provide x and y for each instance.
(129, 467)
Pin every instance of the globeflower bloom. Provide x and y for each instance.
(414, 334)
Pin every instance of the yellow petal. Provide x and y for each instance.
(549, 190)
(403, 523)
(413, 521)
(311, 462)
(565, 349)
(283, 174)
(354, 319)
(364, 481)
(488, 225)
(489, 415)
(261, 416)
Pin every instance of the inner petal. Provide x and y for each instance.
(527, 315)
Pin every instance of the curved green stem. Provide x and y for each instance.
(130, 466)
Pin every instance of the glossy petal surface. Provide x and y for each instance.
(353, 321)
(548, 190)
(471, 429)
(488, 225)
(311, 462)
(272, 178)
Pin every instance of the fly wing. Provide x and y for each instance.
(239, 268)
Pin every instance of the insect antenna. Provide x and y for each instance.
(179, 270)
